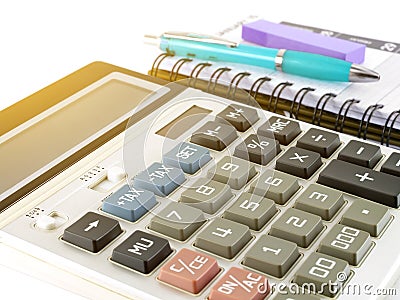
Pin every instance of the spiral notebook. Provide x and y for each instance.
(366, 110)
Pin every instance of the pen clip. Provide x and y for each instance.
(191, 36)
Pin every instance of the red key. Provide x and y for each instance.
(239, 284)
(189, 270)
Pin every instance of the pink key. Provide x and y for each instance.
(239, 284)
(189, 270)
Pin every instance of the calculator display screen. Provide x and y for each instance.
(40, 146)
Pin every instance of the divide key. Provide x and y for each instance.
(361, 181)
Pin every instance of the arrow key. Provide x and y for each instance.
(92, 232)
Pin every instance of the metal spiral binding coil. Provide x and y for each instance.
(371, 108)
(397, 113)
(341, 119)
(324, 99)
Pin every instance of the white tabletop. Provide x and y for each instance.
(42, 41)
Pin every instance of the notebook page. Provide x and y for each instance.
(385, 62)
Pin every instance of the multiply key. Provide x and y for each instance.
(361, 181)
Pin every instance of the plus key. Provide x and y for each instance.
(361, 181)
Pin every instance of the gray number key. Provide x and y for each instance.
(177, 220)
(258, 149)
(366, 215)
(207, 195)
(233, 171)
(346, 243)
(223, 237)
(299, 162)
(323, 272)
(241, 117)
(251, 210)
(272, 255)
(275, 185)
(214, 135)
(297, 226)
(320, 200)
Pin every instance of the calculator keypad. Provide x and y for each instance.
(264, 217)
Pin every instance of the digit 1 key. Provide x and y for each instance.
(361, 181)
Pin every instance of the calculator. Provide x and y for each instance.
(162, 191)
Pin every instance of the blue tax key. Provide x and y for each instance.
(160, 179)
(129, 203)
(189, 157)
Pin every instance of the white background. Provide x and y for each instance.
(42, 41)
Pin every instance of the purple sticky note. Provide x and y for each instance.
(281, 36)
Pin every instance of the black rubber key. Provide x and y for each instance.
(361, 181)
(299, 162)
(323, 142)
(360, 153)
(392, 165)
(142, 252)
(92, 232)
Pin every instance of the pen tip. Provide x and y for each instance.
(151, 40)
(360, 73)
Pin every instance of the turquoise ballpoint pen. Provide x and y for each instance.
(304, 64)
